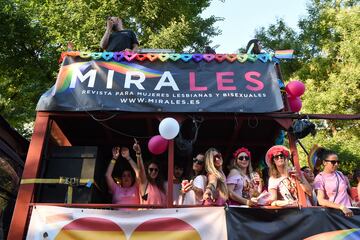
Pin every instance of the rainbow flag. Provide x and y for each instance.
(284, 54)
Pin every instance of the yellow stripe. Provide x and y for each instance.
(38, 180)
(173, 235)
(54, 180)
(69, 194)
(90, 235)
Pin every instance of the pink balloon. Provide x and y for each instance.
(295, 104)
(157, 145)
(295, 88)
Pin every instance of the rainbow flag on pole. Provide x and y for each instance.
(284, 54)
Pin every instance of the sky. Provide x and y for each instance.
(243, 17)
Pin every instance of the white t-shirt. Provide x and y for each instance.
(285, 187)
(190, 197)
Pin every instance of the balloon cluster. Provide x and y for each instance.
(169, 128)
(294, 90)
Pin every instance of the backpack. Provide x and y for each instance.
(302, 128)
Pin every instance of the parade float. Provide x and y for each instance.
(106, 99)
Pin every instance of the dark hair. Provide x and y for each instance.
(203, 171)
(357, 173)
(159, 181)
(324, 153)
(256, 48)
(209, 50)
(304, 167)
(132, 174)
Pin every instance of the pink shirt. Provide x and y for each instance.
(219, 200)
(327, 182)
(239, 182)
(155, 196)
(122, 195)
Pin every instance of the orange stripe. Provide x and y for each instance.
(89, 235)
(92, 224)
(173, 235)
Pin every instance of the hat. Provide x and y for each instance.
(273, 150)
(240, 150)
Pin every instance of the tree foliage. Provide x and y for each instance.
(35, 32)
(26, 65)
(329, 65)
(172, 24)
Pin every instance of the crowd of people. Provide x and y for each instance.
(207, 183)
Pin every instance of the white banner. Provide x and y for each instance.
(48, 222)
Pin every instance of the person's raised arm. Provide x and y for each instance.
(108, 175)
(105, 39)
(126, 154)
(140, 164)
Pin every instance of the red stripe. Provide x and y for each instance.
(92, 224)
(164, 224)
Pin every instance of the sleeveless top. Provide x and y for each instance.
(154, 196)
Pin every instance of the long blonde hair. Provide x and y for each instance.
(220, 176)
(274, 172)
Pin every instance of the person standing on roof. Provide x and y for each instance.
(254, 47)
(116, 38)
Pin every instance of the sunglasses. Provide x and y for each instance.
(243, 158)
(333, 162)
(280, 156)
(153, 170)
(200, 162)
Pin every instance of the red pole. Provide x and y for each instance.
(32, 164)
(170, 174)
(301, 193)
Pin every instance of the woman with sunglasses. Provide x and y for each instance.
(192, 192)
(282, 182)
(242, 182)
(216, 191)
(127, 192)
(331, 185)
(151, 185)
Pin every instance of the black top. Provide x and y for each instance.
(120, 40)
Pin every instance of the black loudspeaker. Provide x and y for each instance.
(73, 162)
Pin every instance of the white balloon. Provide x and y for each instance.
(169, 128)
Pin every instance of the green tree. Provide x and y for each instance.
(172, 24)
(26, 66)
(329, 64)
(35, 32)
